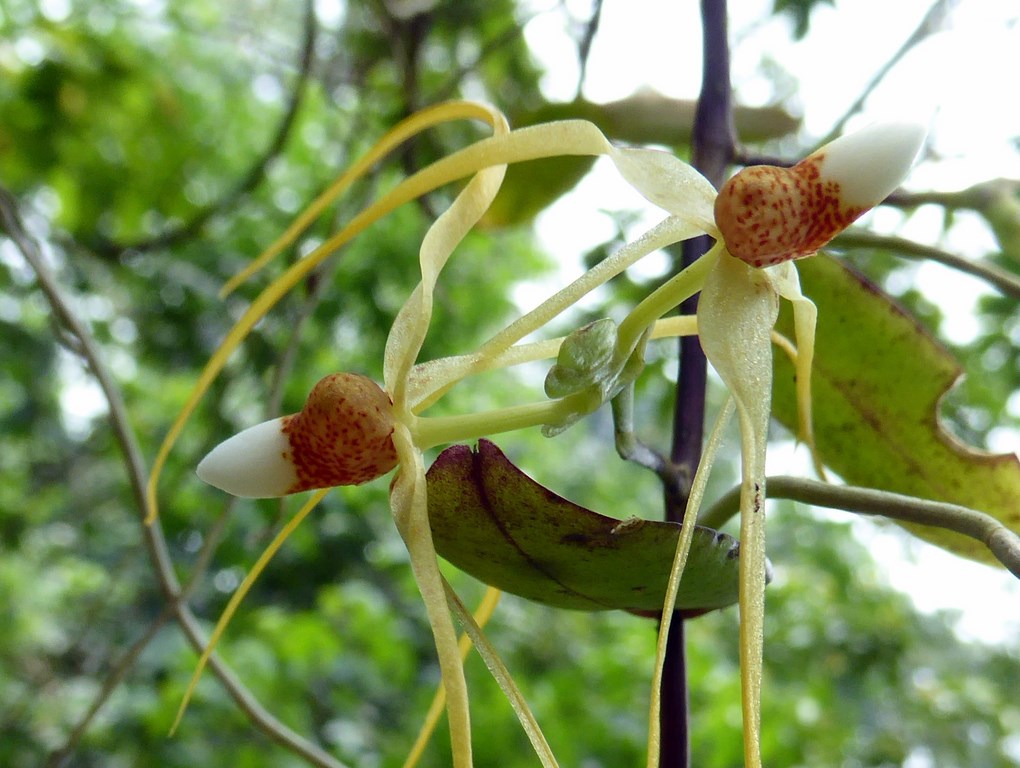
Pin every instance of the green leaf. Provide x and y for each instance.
(494, 522)
(530, 187)
(878, 379)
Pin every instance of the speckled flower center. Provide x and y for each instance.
(768, 215)
(343, 435)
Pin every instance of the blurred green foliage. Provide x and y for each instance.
(121, 122)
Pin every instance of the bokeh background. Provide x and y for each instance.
(154, 148)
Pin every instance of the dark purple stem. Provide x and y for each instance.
(713, 146)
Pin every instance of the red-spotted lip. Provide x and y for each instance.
(343, 436)
(768, 214)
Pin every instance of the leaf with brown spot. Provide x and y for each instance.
(878, 379)
(494, 522)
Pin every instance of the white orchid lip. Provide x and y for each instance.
(768, 215)
(253, 464)
(871, 163)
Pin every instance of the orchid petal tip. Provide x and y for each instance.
(870, 163)
(252, 463)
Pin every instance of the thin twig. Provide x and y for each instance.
(1001, 280)
(286, 361)
(118, 672)
(978, 197)
(123, 665)
(252, 177)
(452, 82)
(745, 157)
(933, 21)
(211, 541)
(629, 447)
(1003, 543)
(153, 536)
(584, 44)
(315, 283)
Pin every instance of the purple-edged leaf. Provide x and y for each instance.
(496, 523)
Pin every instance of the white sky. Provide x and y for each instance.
(958, 80)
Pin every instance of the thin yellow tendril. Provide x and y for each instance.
(238, 596)
(669, 230)
(683, 547)
(502, 676)
(406, 129)
(482, 615)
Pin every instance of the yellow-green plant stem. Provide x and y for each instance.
(502, 676)
(436, 377)
(663, 299)
(683, 547)
(429, 431)
(482, 614)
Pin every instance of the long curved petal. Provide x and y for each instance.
(736, 313)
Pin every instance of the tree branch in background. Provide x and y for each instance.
(1004, 282)
(979, 197)
(933, 21)
(452, 83)
(61, 756)
(584, 44)
(252, 177)
(1001, 541)
(406, 27)
(12, 224)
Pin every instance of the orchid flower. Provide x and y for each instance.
(352, 431)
